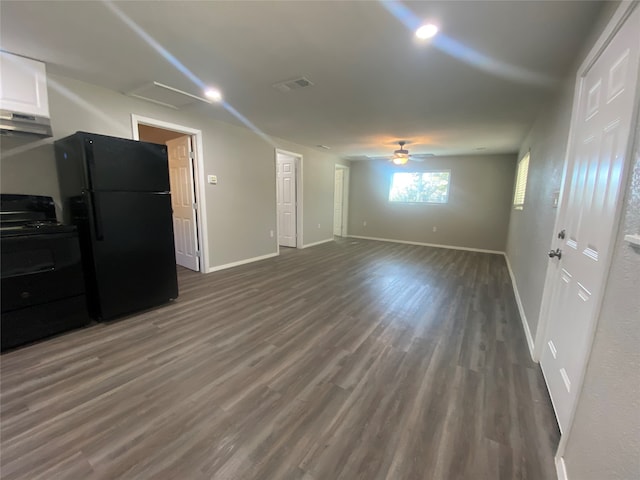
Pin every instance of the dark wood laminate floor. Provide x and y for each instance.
(349, 360)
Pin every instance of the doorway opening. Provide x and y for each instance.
(289, 199)
(340, 200)
(184, 147)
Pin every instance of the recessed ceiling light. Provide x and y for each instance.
(426, 31)
(213, 94)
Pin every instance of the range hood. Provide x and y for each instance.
(24, 125)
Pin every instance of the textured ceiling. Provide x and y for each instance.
(477, 86)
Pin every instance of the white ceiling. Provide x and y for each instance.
(374, 82)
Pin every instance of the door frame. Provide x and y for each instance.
(299, 196)
(615, 23)
(345, 197)
(198, 176)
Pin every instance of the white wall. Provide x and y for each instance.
(241, 209)
(476, 215)
(531, 229)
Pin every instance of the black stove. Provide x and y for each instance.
(29, 215)
(42, 283)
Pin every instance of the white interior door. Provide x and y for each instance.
(338, 202)
(182, 202)
(588, 216)
(286, 197)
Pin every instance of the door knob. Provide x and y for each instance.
(555, 253)
(561, 234)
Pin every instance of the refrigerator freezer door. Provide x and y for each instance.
(134, 259)
(118, 164)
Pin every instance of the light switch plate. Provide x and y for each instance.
(212, 179)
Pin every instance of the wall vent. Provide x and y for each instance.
(293, 84)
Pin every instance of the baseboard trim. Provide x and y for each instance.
(241, 262)
(523, 317)
(561, 469)
(318, 243)
(436, 245)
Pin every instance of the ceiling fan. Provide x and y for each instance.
(401, 156)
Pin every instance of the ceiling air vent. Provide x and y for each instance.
(294, 84)
(165, 95)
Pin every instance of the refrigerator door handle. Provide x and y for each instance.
(94, 206)
(91, 163)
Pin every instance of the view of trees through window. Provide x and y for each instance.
(420, 187)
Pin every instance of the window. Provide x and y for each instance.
(521, 183)
(420, 187)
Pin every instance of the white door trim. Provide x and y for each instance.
(203, 242)
(299, 196)
(345, 197)
(617, 20)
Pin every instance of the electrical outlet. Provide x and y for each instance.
(318, 225)
(271, 233)
(364, 224)
(435, 229)
(212, 179)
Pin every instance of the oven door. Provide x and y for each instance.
(41, 268)
(42, 287)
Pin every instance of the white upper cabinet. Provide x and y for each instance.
(23, 85)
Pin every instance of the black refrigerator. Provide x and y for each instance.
(117, 193)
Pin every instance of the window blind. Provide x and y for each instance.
(521, 183)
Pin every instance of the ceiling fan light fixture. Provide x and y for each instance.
(400, 159)
(400, 156)
(426, 31)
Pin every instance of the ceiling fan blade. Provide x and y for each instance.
(419, 157)
(422, 156)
